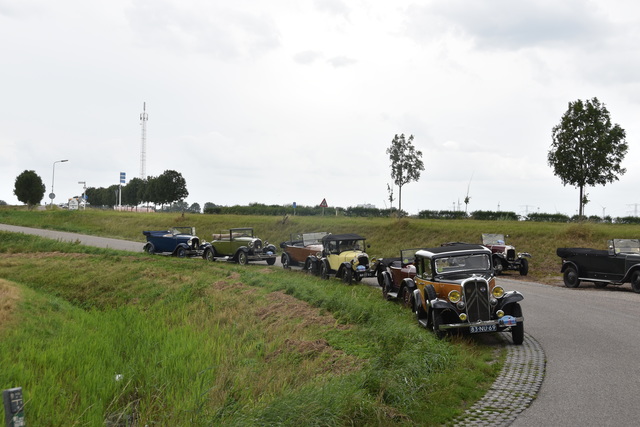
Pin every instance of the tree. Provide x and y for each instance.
(29, 188)
(406, 163)
(168, 188)
(587, 149)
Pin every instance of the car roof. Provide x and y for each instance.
(349, 236)
(452, 250)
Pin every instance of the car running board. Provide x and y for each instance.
(423, 322)
(393, 294)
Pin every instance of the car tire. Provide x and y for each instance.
(347, 276)
(242, 258)
(517, 331)
(497, 266)
(570, 277)
(386, 285)
(271, 261)
(209, 254)
(285, 259)
(380, 277)
(324, 271)
(407, 298)
(431, 292)
(150, 249)
(524, 267)
(436, 321)
(181, 252)
(635, 281)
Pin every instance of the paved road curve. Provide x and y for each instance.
(590, 338)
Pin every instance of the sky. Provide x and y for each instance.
(297, 100)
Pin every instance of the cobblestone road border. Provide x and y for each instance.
(514, 389)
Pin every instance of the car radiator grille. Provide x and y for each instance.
(476, 296)
(511, 254)
(363, 260)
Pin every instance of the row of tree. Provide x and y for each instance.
(168, 188)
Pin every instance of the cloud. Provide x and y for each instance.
(307, 57)
(341, 61)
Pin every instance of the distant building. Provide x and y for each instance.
(366, 206)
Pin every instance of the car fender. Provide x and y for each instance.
(567, 264)
(629, 273)
(269, 247)
(387, 282)
(241, 249)
(409, 284)
(509, 298)
(417, 300)
(346, 265)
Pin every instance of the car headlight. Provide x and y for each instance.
(454, 296)
(497, 291)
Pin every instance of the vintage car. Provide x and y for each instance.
(241, 246)
(504, 256)
(298, 250)
(395, 274)
(619, 264)
(342, 255)
(455, 289)
(177, 241)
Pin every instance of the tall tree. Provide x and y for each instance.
(29, 188)
(587, 149)
(406, 163)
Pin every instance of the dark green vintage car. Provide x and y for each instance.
(241, 246)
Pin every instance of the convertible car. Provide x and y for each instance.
(617, 265)
(177, 241)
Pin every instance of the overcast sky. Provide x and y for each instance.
(297, 100)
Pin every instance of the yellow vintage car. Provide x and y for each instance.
(344, 256)
(455, 290)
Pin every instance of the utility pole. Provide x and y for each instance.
(143, 148)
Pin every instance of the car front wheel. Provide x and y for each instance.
(524, 267)
(242, 258)
(517, 331)
(181, 252)
(436, 321)
(324, 271)
(208, 254)
(570, 277)
(286, 261)
(635, 282)
(347, 276)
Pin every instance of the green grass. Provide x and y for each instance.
(99, 337)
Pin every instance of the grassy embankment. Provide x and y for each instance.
(98, 337)
(386, 236)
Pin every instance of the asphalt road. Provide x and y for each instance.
(589, 336)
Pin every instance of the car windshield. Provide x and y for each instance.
(459, 263)
(627, 246)
(312, 238)
(408, 256)
(493, 239)
(339, 246)
(241, 232)
(183, 230)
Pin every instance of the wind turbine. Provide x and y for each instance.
(467, 198)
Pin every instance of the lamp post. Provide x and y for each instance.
(53, 176)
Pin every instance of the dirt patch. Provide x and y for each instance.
(334, 361)
(238, 287)
(9, 298)
(285, 308)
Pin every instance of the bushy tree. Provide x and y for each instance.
(587, 148)
(406, 163)
(29, 188)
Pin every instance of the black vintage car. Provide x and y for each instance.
(619, 264)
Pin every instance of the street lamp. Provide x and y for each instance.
(53, 176)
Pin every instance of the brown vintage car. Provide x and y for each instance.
(301, 249)
(394, 273)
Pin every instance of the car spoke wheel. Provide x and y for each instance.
(497, 266)
(150, 249)
(286, 261)
(181, 252)
(570, 277)
(635, 282)
(347, 276)
(324, 271)
(386, 285)
(242, 258)
(517, 331)
(209, 254)
(380, 277)
(524, 267)
(406, 297)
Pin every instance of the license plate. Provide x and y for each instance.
(482, 328)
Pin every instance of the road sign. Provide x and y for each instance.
(123, 177)
(324, 203)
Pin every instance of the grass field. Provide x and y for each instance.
(99, 337)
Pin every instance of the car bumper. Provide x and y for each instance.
(498, 322)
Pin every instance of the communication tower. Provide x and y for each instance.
(143, 148)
